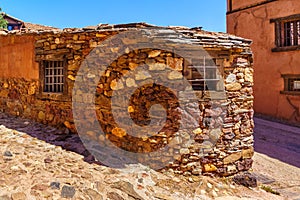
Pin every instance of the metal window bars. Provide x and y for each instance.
(294, 84)
(291, 33)
(53, 76)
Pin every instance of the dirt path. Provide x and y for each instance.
(279, 176)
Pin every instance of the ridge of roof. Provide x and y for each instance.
(33, 26)
(206, 37)
(5, 14)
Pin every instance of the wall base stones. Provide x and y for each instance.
(20, 97)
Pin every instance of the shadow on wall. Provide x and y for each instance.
(295, 104)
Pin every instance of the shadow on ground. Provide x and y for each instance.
(278, 141)
(58, 137)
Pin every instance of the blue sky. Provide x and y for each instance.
(79, 13)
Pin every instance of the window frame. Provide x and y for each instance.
(288, 80)
(59, 96)
(54, 78)
(281, 35)
(204, 68)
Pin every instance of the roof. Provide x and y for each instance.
(7, 15)
(38, 27)
(30, 26)
(171, 33)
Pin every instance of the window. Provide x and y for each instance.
(296, 85)
(203, 76)
(53, 74)
(291, 83)
(287, 32)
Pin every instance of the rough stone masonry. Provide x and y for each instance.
(227, 118)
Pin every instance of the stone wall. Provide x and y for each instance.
(23, 96)
(218, 142)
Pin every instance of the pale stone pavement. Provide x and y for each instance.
(38, 162)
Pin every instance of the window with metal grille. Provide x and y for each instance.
(294, 84)
(291, 83)
(53, 76)
(287, 31)
(291, 33)
(203, 76)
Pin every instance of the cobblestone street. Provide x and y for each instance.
(41, 162)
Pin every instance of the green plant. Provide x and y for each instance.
(269, 189)
(3, 22)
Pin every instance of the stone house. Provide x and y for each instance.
(274, 27)
(38, 70)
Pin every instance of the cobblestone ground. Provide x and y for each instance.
(41, 162)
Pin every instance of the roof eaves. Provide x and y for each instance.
(7, 15)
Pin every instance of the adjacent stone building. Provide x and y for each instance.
(274, 27)
(38, 70)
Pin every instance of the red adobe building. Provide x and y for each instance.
(274, 27)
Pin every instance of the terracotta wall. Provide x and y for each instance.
(236, 4)
(17, 57)
(254, 23)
